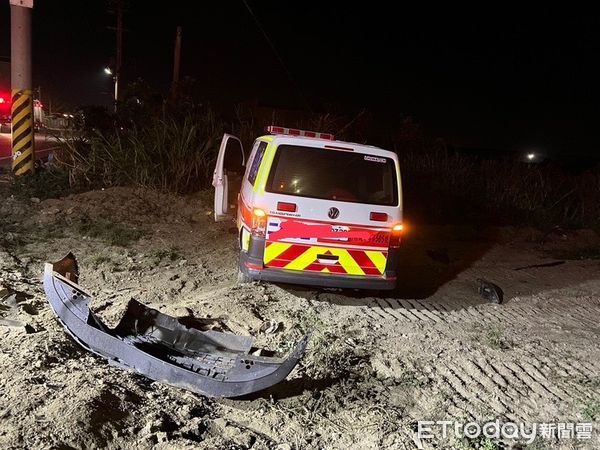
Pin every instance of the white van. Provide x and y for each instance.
(312, 210)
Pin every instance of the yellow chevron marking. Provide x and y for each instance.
(310, 256)
(347, 262)
(19, 101)
(22, 142)
(378, 259)
(22, 114)
(26, 168)
(305, 259)
(274, 250)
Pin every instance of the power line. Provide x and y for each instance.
(279, 58)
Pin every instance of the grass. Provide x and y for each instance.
(537, 444)
(495, 339)
(443, 187)
(482, 443)
(99, 259)
(591, 410)
(112, 233)
(411, 377)
(175, 150)
(159, 255)
(329, 356)
(169, 152)
(43, 184)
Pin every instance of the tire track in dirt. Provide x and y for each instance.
(490, 397)
(470, 395)
(403, 310)
(535, 374)
(524, 377)
(557, 371)
(497, 380)
(501, 387)
(387, 308)
(458, 399)
(593, 368)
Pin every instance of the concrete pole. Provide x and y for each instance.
(22, 98)
(176, 62)
(119, 59)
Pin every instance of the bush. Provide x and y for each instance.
(157, 144)
(45, 183)
(174, 153)
(447, 188)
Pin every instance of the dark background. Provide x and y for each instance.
(493, 76)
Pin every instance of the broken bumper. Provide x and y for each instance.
(158, 346)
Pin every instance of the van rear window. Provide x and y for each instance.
(333, 175)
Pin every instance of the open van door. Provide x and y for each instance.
(227, 178)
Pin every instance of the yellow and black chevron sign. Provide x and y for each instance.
(22, 131)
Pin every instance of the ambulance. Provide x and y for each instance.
(311, 210)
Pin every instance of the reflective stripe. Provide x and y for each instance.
(265, 167)
(348, 262)
(22, 131)
(275, 249)
(245, 239)
(304, 257)
(378, 259)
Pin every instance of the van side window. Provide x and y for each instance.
(260, 152)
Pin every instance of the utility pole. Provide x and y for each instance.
(119, 50)
(20, 79)
(176, 63)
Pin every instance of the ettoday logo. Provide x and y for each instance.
(429, 429)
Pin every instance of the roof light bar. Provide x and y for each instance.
(272, 129)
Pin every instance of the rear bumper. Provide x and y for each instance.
(251, 264)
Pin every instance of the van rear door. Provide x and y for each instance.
(331, 210)
(315, 247)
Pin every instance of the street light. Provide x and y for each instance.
(530, 156)
(107, 71)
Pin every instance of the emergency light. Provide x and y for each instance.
(272, 129)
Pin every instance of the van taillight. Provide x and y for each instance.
(289, 207)
(378, 216)
(395, 235)
(259, 222)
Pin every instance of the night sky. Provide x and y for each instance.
(502, 78)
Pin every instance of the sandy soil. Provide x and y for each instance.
(432, 350)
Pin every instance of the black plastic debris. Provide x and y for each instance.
(161, 347)
(490, 291)
(539, 266)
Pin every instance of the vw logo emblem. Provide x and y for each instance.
(333, 213)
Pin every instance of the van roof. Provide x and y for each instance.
(279, 139)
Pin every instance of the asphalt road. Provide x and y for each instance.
(44, 145)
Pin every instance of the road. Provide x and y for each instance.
(44, 145)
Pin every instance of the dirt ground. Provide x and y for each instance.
(375, 366)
